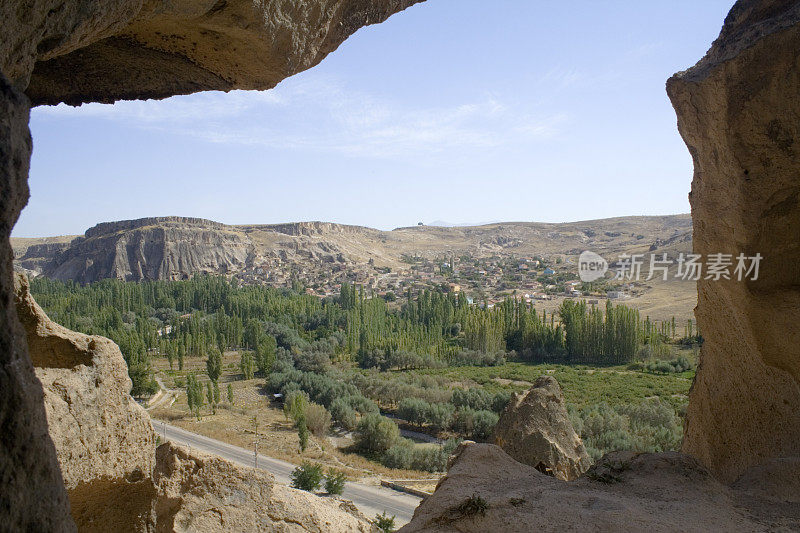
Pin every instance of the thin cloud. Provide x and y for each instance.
(322, 115)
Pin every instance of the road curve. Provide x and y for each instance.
(369, 499)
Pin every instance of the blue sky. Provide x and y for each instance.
(455, 110)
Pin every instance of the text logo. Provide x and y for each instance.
(591, 266)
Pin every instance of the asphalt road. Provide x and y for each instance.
(369, 499)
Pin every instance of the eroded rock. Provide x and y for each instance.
(198, 492)
(535, 430)
(740, 119)
(486, 490)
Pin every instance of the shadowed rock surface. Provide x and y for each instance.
(625, 491)
(740, 119)
(535, 430)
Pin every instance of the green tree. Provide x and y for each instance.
(384, 522)
(334, 481)
(375, 434)
(307, 476)
(214, 364)
(303, 433)
(265, 354)
(247, 365)
(230, 394)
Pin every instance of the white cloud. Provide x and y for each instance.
(321, 115)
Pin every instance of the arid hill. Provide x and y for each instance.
(171, 248)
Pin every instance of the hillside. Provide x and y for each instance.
(483, 259)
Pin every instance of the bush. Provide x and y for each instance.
(408, 456)
(439, 415)
(384, 522)
(307, 476)
(334, 481)
(649, 426)
(375, 434)
(413, 410)
(478, 358)
(318, 419)
(483, 423)
(343, 414)
(474, 398)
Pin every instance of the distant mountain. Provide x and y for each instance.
(171, 248)
(445, 224)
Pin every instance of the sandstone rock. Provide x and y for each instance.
(32, 497)
(168, 248)
(741, 125)
(198, 492)
(98, 430)
(623, 492)
(535, 430)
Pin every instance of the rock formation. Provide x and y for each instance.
(486, 490)
(115, 477)
(535, 430)
(198, 492)
(169, 248)
(741, 123)
(173, 248)
(104, 441)
(85, 51)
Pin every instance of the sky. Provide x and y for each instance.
(466, 111)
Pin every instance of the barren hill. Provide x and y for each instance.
(176, 247)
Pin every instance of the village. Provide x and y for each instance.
(485, 281)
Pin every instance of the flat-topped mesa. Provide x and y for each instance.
(316, 228)
(105, 228)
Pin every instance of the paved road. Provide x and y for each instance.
(369, 499)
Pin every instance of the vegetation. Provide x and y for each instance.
(307, 476)
(384, 522)
(429, 360)
(334, 481)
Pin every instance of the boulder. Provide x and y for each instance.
(486, 490)
(535, 430)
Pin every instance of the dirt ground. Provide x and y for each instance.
(277, 435)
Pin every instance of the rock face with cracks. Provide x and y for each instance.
(535, 430)
(740, 118)
(486, 490)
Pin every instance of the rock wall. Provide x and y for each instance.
(80, 51)
(535, 429)
(158, 251)
(740, 118)
(33, 497)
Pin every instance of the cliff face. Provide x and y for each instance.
(150, 249)
(741, 123)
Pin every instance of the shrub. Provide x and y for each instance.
(483, 424)
(307, 476)
(474, 398)
(294, 404)
(413, 410)
(302, 432)
(375, 434)
(384, 522)
(343, 414)
(439, 415)
(317, 418)
(334, 481)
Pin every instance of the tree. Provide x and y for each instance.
(265, 354)
(384, 522)
(212, 397)
(230, 394)
(307, 476)
(334, 481)
(375, 434)
(247, 365)
(302, 432)
(194, 394)
(317, 418)
(214, 364)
